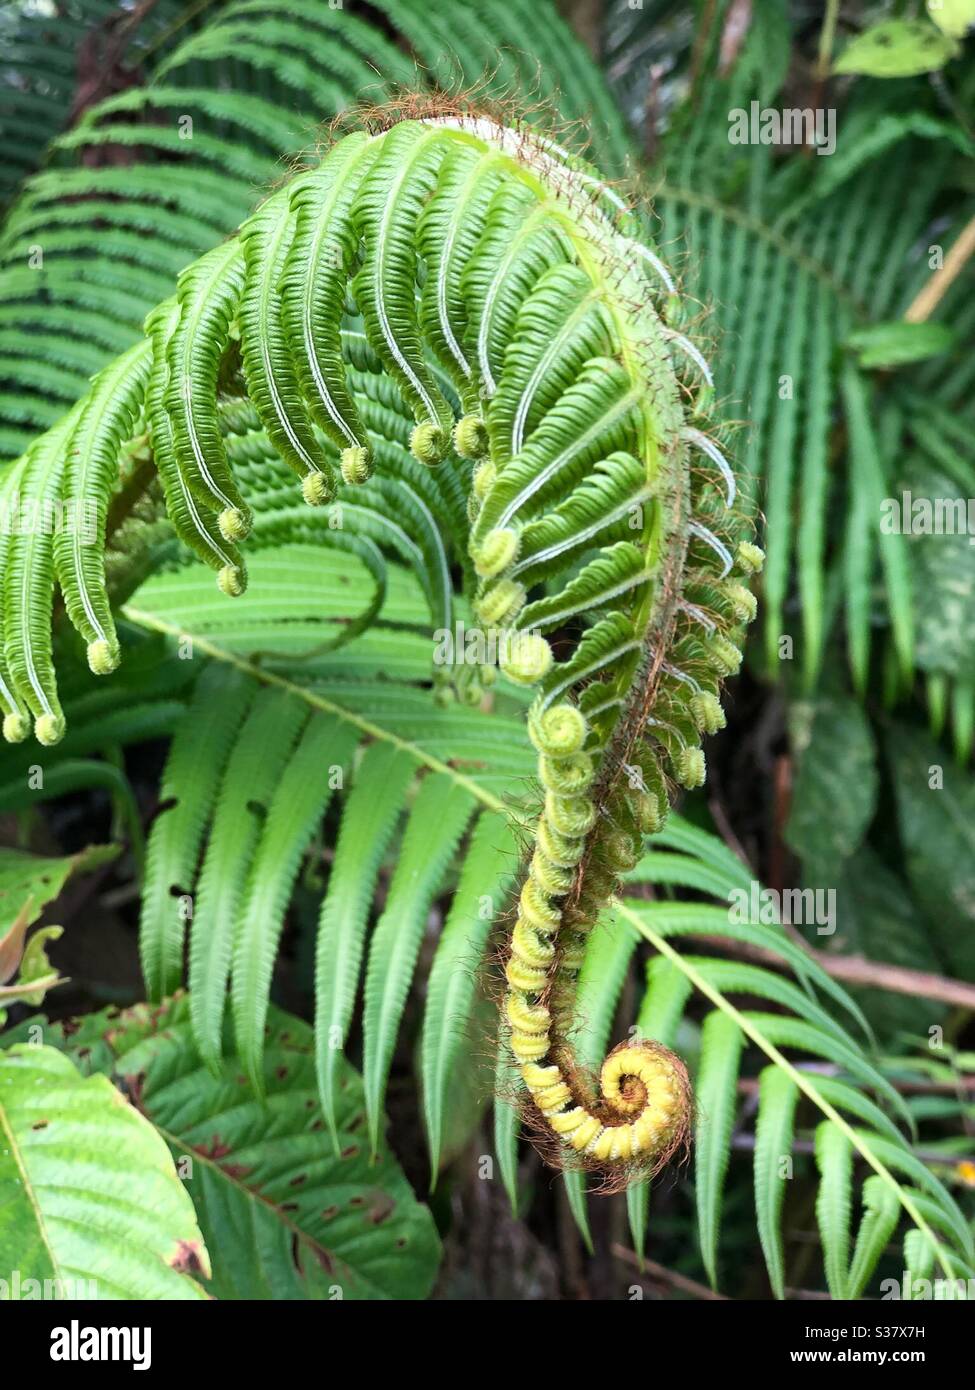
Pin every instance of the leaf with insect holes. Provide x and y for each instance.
(284, 1215)
(91, 1196)
(897, 48)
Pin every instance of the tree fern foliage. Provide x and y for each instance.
(454, 238)
(227, 109)
(796, 256)
(440, 385)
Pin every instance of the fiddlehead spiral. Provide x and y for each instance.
(493, 284)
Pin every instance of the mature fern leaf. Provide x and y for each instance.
(805, 1026)
(314, 771)
(196, 761)
(490, 866)
(223, 107)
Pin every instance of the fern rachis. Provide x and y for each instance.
(487, 268)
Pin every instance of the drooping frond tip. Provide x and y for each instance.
(504, 291)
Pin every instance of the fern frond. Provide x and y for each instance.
(564, 364)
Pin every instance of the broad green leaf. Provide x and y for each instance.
(936, 815)
(877, 917)
(835, 790)
(92, 1206)
(285, 1216)
(37, 880)
(897, 48)
(943, 560)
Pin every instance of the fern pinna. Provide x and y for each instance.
(498, 286)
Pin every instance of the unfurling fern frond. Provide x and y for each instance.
(486, 268)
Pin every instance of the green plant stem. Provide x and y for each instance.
(827, 36)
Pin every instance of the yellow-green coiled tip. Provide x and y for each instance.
(500, 603)
(16, 727)
(231, 581)
(750, 557)
(527, 658)
(471, 437)
(567, 776)
(689, 768)
(706, 712)
(234, 524)
(317, 489)
(743, 602)
(724, 655)
(49, 729)
(558, 732)
(650, 816)
(429, 443)
(356, 466)
(496, 552)
(102, 657)
(484, 476)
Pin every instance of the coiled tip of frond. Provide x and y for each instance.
(707, 713)
(744, 604)
(234, 524)
(103, 658)
(690, 769)
(471, 437)
(49, 729)
(632, 1126)
(724, 656)
(559, 731)
(526, 659)
(317, 489)
(572, 816)
(569, 776)
(496, 553)
(429, 443)
(750, 557)
(356, 465)
(501, 603)
(232, 581)
(16, 727)
(651, 812)
(484, 478)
